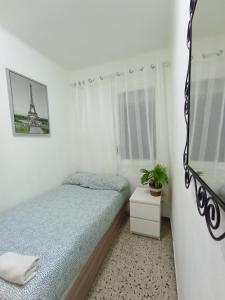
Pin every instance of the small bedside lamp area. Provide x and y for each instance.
(145, 213)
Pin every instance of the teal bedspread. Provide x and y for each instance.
(62, 227)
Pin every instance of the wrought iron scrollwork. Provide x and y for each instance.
(208, 203)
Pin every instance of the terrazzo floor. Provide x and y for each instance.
(137, 268)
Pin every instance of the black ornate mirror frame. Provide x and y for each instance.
(208, 203)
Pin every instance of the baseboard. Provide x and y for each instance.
(175, 262)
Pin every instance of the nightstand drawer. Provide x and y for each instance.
(145, 211)
(145, 227)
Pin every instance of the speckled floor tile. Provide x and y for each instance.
(137, 268)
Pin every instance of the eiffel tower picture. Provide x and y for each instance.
(29, 103)
(32, 117)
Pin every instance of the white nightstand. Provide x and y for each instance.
(145, 213)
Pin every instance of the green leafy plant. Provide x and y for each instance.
(156, 177)
(200, 173)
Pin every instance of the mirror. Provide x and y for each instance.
(206, 155)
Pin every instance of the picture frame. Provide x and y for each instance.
(28, 105)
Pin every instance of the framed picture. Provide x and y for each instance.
(28, 104)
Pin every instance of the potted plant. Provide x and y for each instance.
(156, 178)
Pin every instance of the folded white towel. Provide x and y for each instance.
(17, 268)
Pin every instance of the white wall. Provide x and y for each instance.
(200, 262)
(161, 55)
(32, 165)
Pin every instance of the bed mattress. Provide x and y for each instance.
(62, 227)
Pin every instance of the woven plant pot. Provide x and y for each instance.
(155, 192)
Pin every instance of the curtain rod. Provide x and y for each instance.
(218, 53)
(210, 54)
(118, 74)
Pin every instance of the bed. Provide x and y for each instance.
(66, 227)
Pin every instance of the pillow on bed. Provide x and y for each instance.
(98, 181)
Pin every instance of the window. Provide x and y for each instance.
(137, 129)
(207, 124)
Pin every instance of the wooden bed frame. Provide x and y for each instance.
(83, 282)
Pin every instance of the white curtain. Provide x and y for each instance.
(141, 118)
(207, 119)
(121, 122)
(95, 145)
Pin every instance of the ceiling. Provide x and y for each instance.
(78, 33)
(209, 19)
